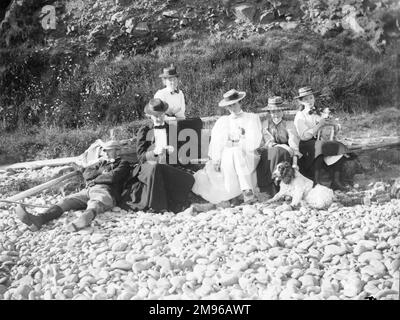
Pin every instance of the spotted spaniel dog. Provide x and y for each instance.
(298, 187)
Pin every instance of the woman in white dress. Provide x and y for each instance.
(231, 170)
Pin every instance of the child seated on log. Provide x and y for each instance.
(104, 185)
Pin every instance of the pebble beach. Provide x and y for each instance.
(260, 251)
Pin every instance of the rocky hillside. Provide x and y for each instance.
(129, 26)
(83, 64)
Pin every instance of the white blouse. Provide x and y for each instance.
(176, 103)
(243, 130)
(160, 139)
(305, 124)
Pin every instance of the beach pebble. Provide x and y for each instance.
(352, 286)
(259, 251)
(122, 265)
(370, 255)
(119, 246)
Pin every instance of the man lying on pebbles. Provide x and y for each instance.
(104, 185)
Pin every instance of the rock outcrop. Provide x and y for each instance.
(136, 26)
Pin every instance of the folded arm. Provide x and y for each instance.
(116, 176)
(91, 172)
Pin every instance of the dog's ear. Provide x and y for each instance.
(288, 174)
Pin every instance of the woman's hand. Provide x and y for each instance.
(337, 128)
(159, 151)
(217, 165)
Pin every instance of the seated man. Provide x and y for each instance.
(156, 182)
(231, 170)
(279, 144)
(104, 184)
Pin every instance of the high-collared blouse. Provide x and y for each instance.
(175, 100)
(305, 124)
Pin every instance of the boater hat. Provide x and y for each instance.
(112, 144)
(169, 72)
(274, 104)
(155, 107)
(231, 97)
(305, 91)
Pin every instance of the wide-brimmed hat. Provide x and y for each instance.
(155, 107)
(231, 97)
(274, 104)
(305, 91)
(169, 72)
(112, 144)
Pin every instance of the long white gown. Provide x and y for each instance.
(234, 139)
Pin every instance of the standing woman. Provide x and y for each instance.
(156, 184)
(231, 170)
(171, 94)
(280, 143)
(317, 152)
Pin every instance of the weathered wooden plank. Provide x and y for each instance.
(367, 147)
(37, 164)
(23, 204)
(43, 186)
(128, 150)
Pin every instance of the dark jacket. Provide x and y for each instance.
(160, 186)
(145, 144)
(113, 174)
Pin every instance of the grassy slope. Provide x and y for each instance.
(277, 63)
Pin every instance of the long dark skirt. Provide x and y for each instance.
(270, 157)
(314, 148)
(160, 187)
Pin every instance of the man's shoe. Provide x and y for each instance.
(263, 196)
(83, 221)
(28, 218)
(203, 207)
(223, 204)
(249, 197)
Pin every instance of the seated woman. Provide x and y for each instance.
(157, 185)
(231, 170)
(279, 144)
(315, 152)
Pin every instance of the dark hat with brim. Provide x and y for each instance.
(155, 107)
(274, 104)
(169, 72)
(112, 144)
(304, 92)
(231, 97)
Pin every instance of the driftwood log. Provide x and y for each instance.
(129, 149)
(22, 204)
(43, 186)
